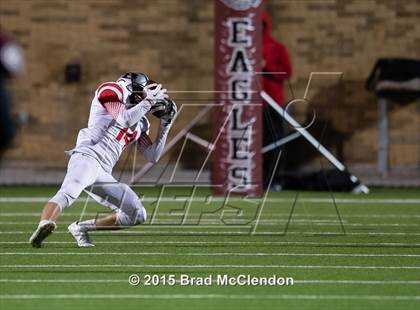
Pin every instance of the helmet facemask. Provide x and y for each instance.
(134, 83)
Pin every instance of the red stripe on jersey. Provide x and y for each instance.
(112, 84)
(108, 95)
(110, 92)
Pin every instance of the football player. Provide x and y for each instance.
(117, 118)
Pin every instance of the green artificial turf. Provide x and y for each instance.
(368, 260)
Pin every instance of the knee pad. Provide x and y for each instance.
(132, 208)
(63, 199)
(136, 218)
(67, 194)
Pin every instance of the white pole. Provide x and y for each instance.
(383, 138)
(302, 131)
(280, 142)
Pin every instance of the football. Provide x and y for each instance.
(159, 108)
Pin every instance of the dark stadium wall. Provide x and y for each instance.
(172, 41)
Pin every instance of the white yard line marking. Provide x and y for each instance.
(217, 216)
(255, 243)
(185, 232)
(213, 266)
(208, 296)
(206, 254)
(63, 281)
(366, 282)
(257, 200)
(329, 233)
(219, 224)
(35, 214)
(205, 221)
(315, 281)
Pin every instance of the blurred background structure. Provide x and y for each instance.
(72, 46)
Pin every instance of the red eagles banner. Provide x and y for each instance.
(237, 161)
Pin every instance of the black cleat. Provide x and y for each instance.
(41, 233)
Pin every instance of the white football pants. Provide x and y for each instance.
(85, 173)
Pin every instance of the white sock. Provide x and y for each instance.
(88, 225)
(43, 222)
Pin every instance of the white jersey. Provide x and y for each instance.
(104, 138)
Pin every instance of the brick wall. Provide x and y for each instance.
(348, 36)
(171, 40)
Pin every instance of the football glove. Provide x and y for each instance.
(154, 92)
(170, 112)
